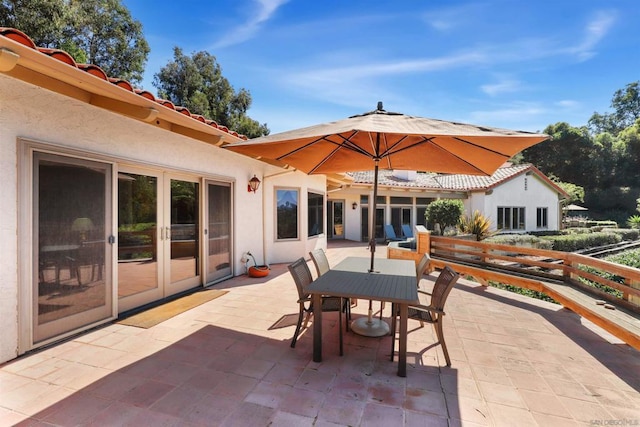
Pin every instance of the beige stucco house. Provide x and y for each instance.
(113, 199)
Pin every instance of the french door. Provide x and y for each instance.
(158, 236)
(72, 247)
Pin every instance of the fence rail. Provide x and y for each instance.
(576, 281)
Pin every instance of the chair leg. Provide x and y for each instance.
(347, 311)
(295, 335)
(440, 334)
(393, 331)
(340, 325)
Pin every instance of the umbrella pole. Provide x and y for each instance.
(368, 326)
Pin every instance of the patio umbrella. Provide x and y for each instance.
(574, 208)
(388, 140)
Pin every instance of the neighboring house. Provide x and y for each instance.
(516, 198)
(113, 199)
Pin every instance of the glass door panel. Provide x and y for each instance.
(184, 232)
(335, 219)
(72, 253)
(139, 253)
(364, 217)
(218, 231)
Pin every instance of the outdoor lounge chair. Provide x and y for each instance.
(433, 312)
(302, 277)
(407, 231)
(390, 234)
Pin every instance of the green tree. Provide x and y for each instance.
(576, 192)
(571, 155)
(445, 212)
(196, 82)
(629, 164)
(626, 110)
(42, 20)
(101, 32)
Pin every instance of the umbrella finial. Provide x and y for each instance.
(380, 106)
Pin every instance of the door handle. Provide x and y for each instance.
(167, 235)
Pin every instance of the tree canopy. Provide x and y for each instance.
(100, 32)
(602, 158)
(196, 82)
(626, 110)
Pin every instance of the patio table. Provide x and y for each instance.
(392, 281)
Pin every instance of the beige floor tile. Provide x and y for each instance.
(516, 361)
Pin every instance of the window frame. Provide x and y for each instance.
(542, 222)
(277, 192)
(511, 218)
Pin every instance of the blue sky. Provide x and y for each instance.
(504, 63)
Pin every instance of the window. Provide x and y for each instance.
(315, 203)
(287, 214)
(541, 218)
(511, 218)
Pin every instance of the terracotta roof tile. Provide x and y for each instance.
(17, 36)
(94, 70)
(432, 181)
(61, 55)
(122, 83)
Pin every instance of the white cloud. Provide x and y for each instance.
(448, 19)
(264, 11)
(568, 103)
(504, 86)
(595, 31)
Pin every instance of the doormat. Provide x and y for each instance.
(159, 314)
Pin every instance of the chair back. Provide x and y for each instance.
(389, 231)
(301, 275)
(422, 267)
(442, 287)
(320, 260)
(407, 231)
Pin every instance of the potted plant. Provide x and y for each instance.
(257, 270)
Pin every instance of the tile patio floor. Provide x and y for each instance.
(516, 361)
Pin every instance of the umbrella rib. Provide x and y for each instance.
(482, 147)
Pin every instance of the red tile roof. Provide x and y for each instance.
(61, 55)
(439, 182)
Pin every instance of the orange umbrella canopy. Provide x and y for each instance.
(390, 141)
(398, 141)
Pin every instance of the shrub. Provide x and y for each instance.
(477, 224)
(625, 233)
(445, 212)
(520, 240)
(575, 242)
(634, 221)
(602, 224)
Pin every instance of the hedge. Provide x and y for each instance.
(576, 242)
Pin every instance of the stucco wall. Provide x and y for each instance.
(33, 113)
(537, 194)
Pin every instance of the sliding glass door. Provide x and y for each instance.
(218, 231)
(72, 285)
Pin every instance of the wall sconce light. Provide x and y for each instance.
(254, 184)
(354, 206)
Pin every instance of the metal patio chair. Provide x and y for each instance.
(302, 278)
(319, 258)
(431, 313)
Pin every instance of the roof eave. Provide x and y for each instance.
(32, 66)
